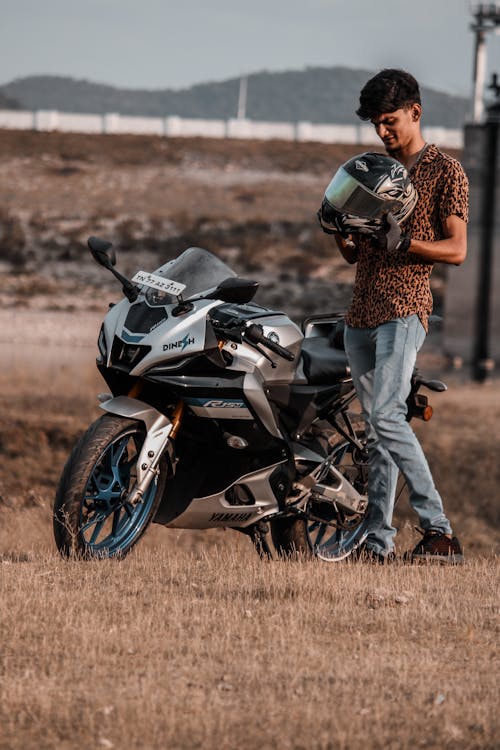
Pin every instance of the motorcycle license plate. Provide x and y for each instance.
(159, 282)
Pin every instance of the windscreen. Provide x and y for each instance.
(198, 269)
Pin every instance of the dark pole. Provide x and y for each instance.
(483, 364)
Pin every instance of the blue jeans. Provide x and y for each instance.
(382, 361)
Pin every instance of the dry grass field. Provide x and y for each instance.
(192, 641)
(209, 648)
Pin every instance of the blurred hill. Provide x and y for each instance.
(7, 102)
(314, 95)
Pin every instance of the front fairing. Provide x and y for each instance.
(158, 336)
(146, 333)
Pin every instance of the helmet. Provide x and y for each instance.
(363, 191)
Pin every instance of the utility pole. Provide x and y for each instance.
(483, 364)
(471, 332)
(479, 74)
(242, 98)
(486, 18)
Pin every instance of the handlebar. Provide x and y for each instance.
(253, 333)
(235, 330)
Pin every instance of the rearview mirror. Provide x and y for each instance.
(102, 251)
(235, 290)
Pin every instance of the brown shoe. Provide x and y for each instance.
(437, 547)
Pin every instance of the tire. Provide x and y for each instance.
(91, 516)
(310, 538)
(329, 541)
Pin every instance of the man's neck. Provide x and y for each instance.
(408, 155)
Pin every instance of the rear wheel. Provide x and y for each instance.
(92, 517)
(329, 533)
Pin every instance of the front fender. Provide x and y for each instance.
(158, 429)
(133, 408)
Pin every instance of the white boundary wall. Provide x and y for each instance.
(173, 126)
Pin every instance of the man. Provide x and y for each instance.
(388, 317)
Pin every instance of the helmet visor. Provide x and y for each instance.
(348, 196)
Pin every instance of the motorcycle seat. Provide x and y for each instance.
(323, 364)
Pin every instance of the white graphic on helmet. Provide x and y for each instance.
(398, 172)
(362, 165)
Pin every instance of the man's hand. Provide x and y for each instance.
(331, 221)
(391, 238)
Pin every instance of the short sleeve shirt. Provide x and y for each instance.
(396, 284)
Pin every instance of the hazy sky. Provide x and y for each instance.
(169, 44)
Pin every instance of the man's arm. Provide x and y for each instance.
(452, 250)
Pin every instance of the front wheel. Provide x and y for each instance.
(92, 517)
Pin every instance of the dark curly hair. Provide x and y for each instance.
(389, 90)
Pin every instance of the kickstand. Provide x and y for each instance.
(259, 534)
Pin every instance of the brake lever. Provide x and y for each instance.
(235, 331)
(231, 332)
(255, 345)
(262, 352)
(237, 335)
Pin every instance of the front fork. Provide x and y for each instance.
(160, 433)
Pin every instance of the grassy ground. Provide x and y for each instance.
(210, 648)
(192, 642)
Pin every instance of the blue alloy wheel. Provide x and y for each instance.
(334, 541)
(92, 515)
(329, 531)
(109, 525)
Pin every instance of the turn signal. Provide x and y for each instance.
(420, 408)
(237, 442)
(427, 413)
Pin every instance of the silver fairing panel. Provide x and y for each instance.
(283, 331)
(253, 390)
(260, 372)
(214, 510)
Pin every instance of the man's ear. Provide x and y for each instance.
(416, 112)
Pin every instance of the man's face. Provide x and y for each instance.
(397, 129)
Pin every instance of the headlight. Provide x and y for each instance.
(157, 298)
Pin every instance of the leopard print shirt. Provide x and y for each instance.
(396, 284)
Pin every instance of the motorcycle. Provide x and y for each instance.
(222, 413)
